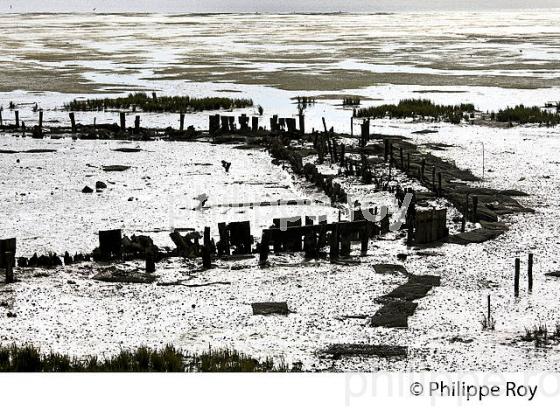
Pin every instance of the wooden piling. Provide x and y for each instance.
(206, 258)
(255, 124)
(9, 266)
(364, 238)
(489, 311)
(325, 125)
(264, 247)
(16, 112)
(137, 125)
(516, 277)
(40, 118)
(150, 263)
(334, 243)
(224, 238)
(1, 122)
(475, 207)
(530, 272)
(181, 121)
(72, 122)
(342, 155)
(123, 121)
(301, 123)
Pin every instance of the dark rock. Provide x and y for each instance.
(100, 185)
(87, 190)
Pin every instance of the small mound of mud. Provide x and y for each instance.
(117, 275)
(127, 149)
(356, 349)
(115, 168)
(387, 268)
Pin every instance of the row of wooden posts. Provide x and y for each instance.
(72, 116)
(226, 123)
(517, 275)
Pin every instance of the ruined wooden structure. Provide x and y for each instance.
(110, 244)
(311, 238)
(430, 226)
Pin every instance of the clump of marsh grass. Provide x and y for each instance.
(418, 108)
(540, 335)
(346, 101)
(488, 323)
(28, 358)
(158, 104)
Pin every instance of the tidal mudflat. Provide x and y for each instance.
(349, 295)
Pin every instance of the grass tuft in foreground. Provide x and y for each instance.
(28, 358)
(144, 103)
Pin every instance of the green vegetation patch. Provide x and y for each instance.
(28, 358)
(145, 103)
(527, 115)
(410, 108)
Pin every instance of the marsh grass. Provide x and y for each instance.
(28, 358)
(527, 115)
(413, 108)
(540, 335)
(350, 101)
(488, 323)
(145, 103)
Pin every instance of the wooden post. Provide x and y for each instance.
(8, 260)
(40, 118)
(516, 277)
(224, 238)
(264, 247)
(530, 273)
(352, 126)
(364, 237)
(206, 258)
(334, 243)
(72, 122)
(1, 122)
(182, 121)
(154, 95)
(463, 223)
(386, 146)
(342, 155)
(123, 121)
(17, 118)
(489, 312)
(325, 125)
(475, 207)
(255, 124)
(150, 263)
(137, 125)
(301, 123)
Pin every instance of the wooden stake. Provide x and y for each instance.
(475, 207)
(8, 258)
(40, 118)
(516, 277)
(206, 258)
(150, 263)
(123, 121)
(17, 118)
(137, 125)
(489, 309)
(530, 272)
(182, 121)
(72, 122)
